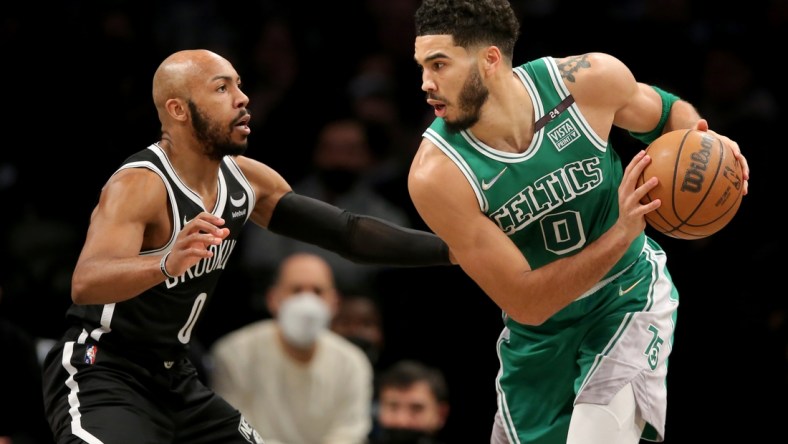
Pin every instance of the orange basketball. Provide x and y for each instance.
(700, 184)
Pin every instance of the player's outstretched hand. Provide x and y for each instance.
(703, 125)
(194, 241)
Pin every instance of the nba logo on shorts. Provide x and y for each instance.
(90, 354)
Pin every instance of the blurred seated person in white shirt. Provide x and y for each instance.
(293, 379)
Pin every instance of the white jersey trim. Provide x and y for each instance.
(191, 194)
(170, 194)
(235, 170)
(458, 160)
(574, 110)
(503, 406)
(106, 320)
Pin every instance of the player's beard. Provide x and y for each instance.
(472, 96)
(217, 141)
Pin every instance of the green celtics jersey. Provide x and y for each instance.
(558, 195)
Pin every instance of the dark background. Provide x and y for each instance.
(76, 78)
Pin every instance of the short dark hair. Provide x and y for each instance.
(405, 373)
(470, 22)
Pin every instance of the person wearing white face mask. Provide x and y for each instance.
(302, 318)
(294, 380)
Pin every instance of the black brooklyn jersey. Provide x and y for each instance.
(157, 325)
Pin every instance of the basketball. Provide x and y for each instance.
(700, 184)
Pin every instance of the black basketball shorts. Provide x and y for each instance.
(95, 396)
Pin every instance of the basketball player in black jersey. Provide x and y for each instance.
(165, 225)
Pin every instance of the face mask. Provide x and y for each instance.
(367, 347)
(404, 436)
(302, 318)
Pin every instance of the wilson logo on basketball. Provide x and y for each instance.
(700, 184)
(693, 177)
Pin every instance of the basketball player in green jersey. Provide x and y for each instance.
(517, 175)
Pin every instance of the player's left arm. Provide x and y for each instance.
(357, 237)
(610, 91)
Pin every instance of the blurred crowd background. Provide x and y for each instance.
(337, 109)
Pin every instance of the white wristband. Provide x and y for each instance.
(163, 266)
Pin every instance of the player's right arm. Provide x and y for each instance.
(132, 214)
(447, 204)
(608, 94)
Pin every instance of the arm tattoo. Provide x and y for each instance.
(571, 65)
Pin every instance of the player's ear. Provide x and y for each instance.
(176, 109)
(492, 59)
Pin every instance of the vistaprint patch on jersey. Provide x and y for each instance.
(563, 134)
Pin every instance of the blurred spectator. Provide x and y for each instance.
(188, 24)
(278, 89)
(341, 160)
(736, 102)
(377, 98)
(41, 252)
(275, 66)
(412, 404)
(22, 419)
(372, 92)
(394, 29)
(293, 379)
(359, 321)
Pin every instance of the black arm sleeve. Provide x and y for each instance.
(360, 238)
